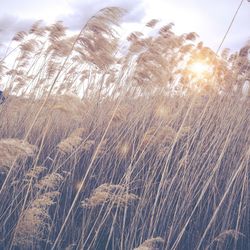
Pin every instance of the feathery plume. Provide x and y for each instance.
(14, 149)
(35, 221)
(35, 171)
(75, 140)
(19, 36)
(105, 193)
(51, 181)
(152, 23)
(151, 244)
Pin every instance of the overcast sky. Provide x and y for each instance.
(210, 19)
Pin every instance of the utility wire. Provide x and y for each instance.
(230, 26)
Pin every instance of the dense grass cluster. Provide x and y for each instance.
(148, 158)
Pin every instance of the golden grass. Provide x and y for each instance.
(12, 150)
(151, 244)
(102, 151)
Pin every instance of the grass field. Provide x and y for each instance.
(105, 150)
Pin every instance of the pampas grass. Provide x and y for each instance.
(12, 150)
(109, 193)
(35, 221)
(151, 244)
(106, 145)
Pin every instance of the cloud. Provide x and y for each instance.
(77, 13)
(82, 11)
(208, 19)
(9, 25)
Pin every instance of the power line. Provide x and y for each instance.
(230, 26)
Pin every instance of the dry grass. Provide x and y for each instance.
(107, 150)
(151, 244)
(116, 194)
(12, 150)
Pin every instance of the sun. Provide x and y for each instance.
(200, 68)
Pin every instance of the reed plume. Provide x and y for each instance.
(35, 221)
(109, 193)
(151, 244)
(12, 150)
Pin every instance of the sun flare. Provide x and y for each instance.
(200, 68)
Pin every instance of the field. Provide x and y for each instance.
(103, 149)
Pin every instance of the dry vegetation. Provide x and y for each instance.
(150, 157)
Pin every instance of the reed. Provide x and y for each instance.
(110, 146)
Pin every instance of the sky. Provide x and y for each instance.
(210, 19)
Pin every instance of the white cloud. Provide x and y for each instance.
(39, 9)
(209, 19)
(83, 10)
(9, 26)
